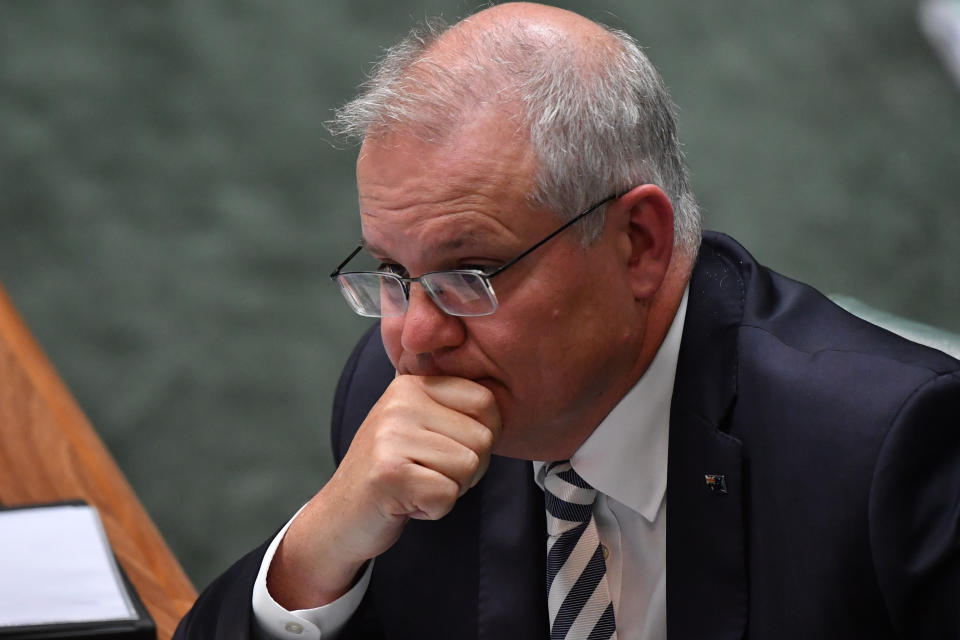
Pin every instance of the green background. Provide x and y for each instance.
(170, 206)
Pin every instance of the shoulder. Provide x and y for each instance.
(788, 325)
(811, 381)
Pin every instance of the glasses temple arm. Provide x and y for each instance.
(569, 223)
(336, 271)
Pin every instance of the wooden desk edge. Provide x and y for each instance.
(154, 570)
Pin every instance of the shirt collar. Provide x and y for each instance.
(625, 457)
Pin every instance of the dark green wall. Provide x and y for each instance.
(170, 206)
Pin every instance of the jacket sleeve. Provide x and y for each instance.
(223, 611)
(915, 512)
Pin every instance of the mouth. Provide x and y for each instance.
(428, 366)
(431, 369)
(485, 380)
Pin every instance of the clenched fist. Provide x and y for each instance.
(424, 443)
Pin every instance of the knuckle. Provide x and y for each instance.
(404, 385)
(485, 439)
(386, 469)
(487, 396)
(481, 399)
(439, 498)
(390, 408)
(447, 493)
(471, 462)
(383, 471)
(391, 423)
(389, 431)
(401, 381)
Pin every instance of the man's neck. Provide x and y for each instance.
(658, 320)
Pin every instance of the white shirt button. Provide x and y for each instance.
(294, 627)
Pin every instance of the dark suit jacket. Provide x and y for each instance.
(839, 446)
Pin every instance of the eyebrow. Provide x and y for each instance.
(463, 239)
(371, 248)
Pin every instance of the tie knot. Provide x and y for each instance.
(568, 496)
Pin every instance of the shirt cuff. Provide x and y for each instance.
(273, 622)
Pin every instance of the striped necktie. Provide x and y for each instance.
(578, 597)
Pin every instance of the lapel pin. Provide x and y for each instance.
(717, 483)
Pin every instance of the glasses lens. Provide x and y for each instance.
(460, 293)
(373, 294)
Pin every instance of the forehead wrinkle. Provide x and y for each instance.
(429, 196)
(479, 188)
(480, 181)
(447, 204)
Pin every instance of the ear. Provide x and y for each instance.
(646, 217)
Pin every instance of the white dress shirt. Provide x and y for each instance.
(625, 460)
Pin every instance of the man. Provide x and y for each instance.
(544, 296)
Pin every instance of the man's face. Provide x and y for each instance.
(567, 330)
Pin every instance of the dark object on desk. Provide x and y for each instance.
(33, 537)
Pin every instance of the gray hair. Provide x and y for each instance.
(599, 119)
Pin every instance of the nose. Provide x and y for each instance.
(426, 328)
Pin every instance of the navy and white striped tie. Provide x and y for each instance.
(578, 597)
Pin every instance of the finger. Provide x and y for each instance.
(465, 396)
(428, 494)
(459, 427)
(407, 407)
(445, 456)
(465, 431)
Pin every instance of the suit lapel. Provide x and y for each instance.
(706, 567)
(511, 595)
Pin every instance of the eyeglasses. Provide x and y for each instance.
(457, 292)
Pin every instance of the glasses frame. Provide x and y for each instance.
(484, 276)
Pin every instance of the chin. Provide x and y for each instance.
(508, 448)
(516, 440)
(511, 450)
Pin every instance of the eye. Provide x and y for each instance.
(482, 268)
(393, 268)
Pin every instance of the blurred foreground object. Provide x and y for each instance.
(940, 22)
(49, 452)
(61, 579)
(934, 337)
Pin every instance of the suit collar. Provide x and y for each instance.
(706, 561)
(707, 368)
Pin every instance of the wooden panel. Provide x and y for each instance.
(49, 452)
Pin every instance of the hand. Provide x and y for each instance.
(423, 445)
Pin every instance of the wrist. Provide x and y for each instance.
(295, 585)
(308, 570)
